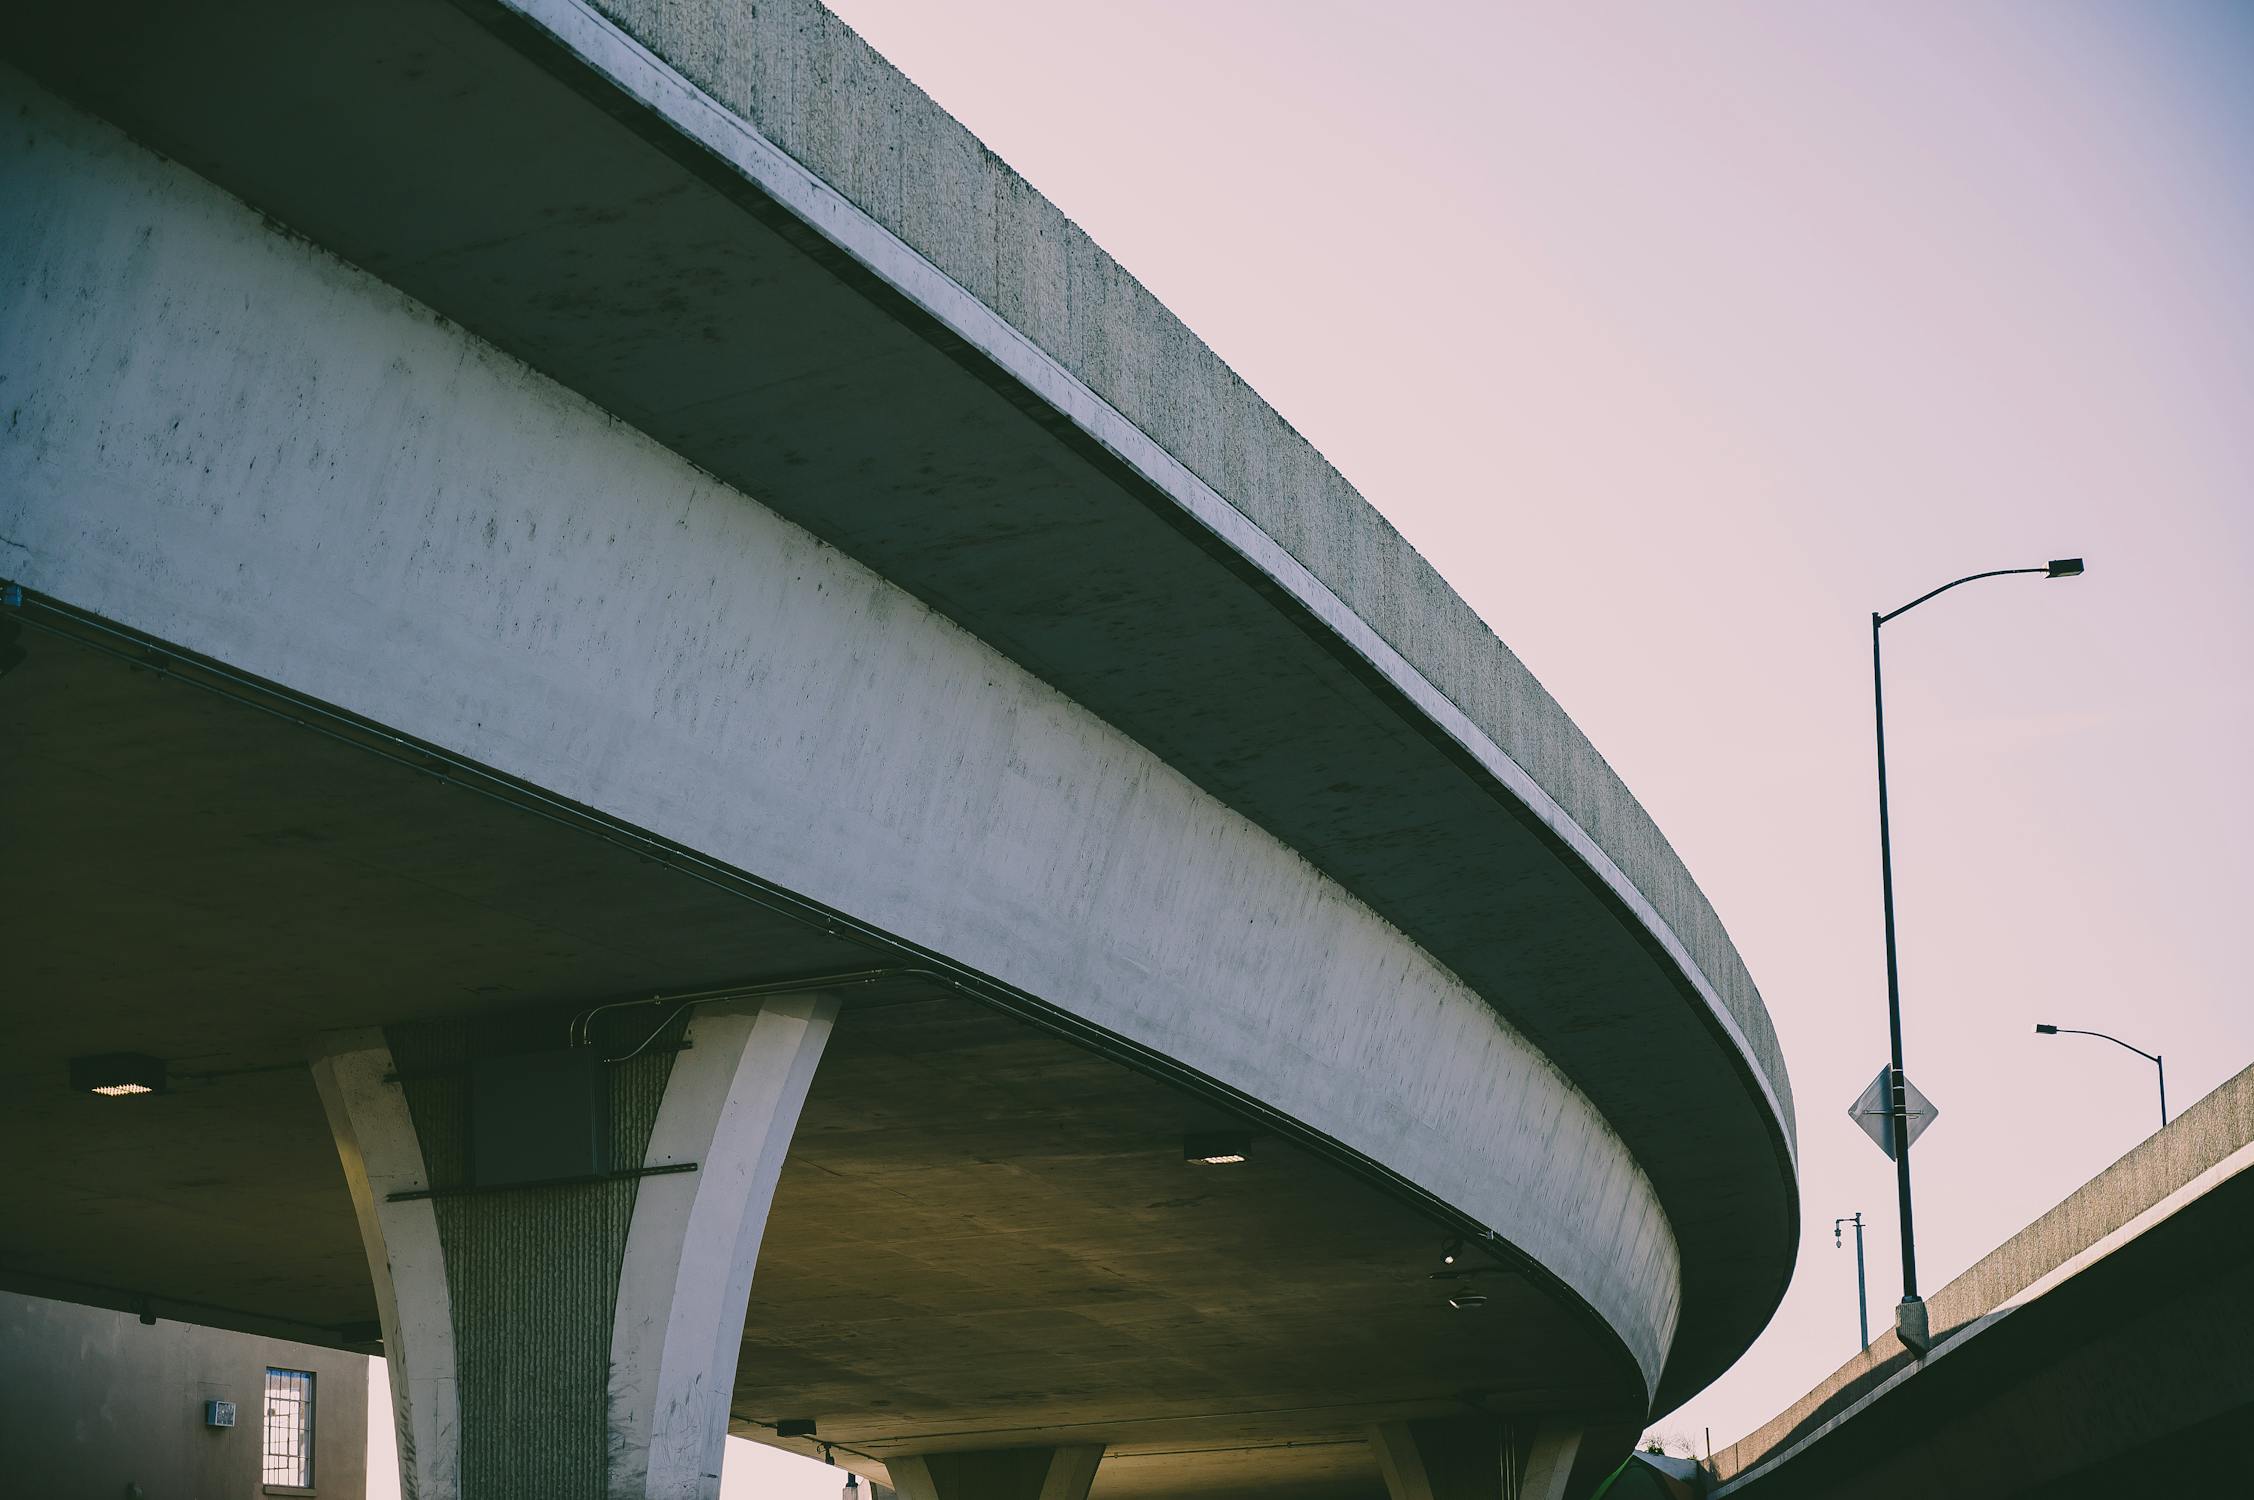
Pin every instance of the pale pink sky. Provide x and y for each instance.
(1679, 339)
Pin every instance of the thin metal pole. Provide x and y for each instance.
(2163, 1067)
(1862, 1287)
(1900, 1132)
(1862, 1294)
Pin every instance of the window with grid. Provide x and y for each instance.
(289, 1428)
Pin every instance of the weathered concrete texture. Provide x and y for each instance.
(1347, 821)
(554, 186)
(94, 1403)
(2108, 1282)
(803, 79)
(232, 441)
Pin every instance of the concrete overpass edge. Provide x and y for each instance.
(2239, 1161)
(642, 76)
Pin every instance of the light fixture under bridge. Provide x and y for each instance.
(117, 1074)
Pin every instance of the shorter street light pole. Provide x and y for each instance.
(2150, 1057)
(1862, 1294)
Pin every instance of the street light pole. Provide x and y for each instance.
(1898, 1130)
(1862, 1293)
(2150, 1057)
(1909, 1316)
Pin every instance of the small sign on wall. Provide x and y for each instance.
(219, 1414)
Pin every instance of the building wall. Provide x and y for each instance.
(97, 1405)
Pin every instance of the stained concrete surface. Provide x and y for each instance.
(244, 447)
(709, 320)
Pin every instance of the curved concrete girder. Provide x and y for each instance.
(598, 36)
(941, 222)
(688, 287)
(328, 508)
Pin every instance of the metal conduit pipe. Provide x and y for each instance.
(578, 1033)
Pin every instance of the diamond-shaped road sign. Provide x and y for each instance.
(1874, 1111)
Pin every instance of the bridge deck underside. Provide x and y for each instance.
(985, 1234)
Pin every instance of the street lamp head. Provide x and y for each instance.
(2065, 567)
(2042, 1030)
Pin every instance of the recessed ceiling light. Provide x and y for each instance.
(117, 1074)
(1463, 1300)
(1216, 1148)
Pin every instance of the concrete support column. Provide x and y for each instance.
(998, 1474)
(1545, 1456)
(1475, 1458)
(575, 1337)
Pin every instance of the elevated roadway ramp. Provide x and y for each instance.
(671, 429)
(2101, 1350)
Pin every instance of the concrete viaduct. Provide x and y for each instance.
(615, 627)
(2099, 1351)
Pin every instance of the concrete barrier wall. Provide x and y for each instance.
(2198, 1139)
